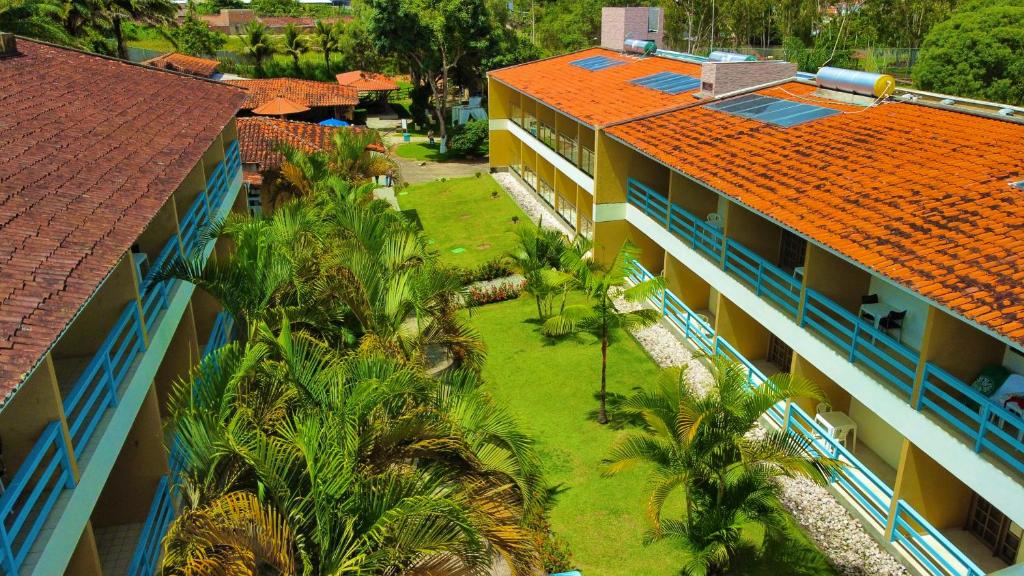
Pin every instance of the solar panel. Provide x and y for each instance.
(595, 63)
(771, 110)
(668, 82)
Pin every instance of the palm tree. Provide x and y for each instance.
(358, 155)
(151, 12)
(257, 44)
(537, 257)
(599, 317)
(293, 44)
(326, 37)
(709, 447)
(374, 466)
(41, 19)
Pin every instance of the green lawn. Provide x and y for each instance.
(550, 386)
(462, 213)
(420, 151)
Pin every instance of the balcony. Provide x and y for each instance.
(911, 533)
(44, 483)
(975, 419)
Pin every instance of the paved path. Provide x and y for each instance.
(417, 171)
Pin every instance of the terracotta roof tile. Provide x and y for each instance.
(919, 195)
(366, 81)
(259, 136)
(184, 63)
(93, 147)
(307, 92)
(602, 96)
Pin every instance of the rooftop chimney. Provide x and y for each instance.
(8, 46)
(719, 78)
(633, 23)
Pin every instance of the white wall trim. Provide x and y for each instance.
(1004, 491)
(561, 164)
(609, 212)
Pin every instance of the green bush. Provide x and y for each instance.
(469, 140)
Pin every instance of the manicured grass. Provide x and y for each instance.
(420, 151)
(462, 213)
(550, 386)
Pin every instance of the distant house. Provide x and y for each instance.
(369, 85)
(178, 62)
(324, 99)
(234, 21)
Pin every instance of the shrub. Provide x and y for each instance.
(495, 293)
(469, 140)
(555, 554)
(490, 270)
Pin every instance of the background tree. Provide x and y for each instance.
(194, 37)
(600, 317)
(978, 52)
(150, 12)
(257, 44)
(293, 44)
(40, 19)
(325, 36)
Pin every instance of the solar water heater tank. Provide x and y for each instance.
(856, 82)
(645, 47)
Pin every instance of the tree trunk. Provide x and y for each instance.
(327, 59)
(122, 50)
(295, 58)
(602, 414)
(540, 313)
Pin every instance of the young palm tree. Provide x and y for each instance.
(599, 317)
(357, 155)
(41, 19)
(257, 44)
(326, 37)
(537, 257)
(709, 447)
(293, 44)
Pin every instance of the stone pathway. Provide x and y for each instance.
(826, 522)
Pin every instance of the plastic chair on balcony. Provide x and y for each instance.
(894, 321)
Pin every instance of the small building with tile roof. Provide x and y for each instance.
(179, 62)
(324, 99)
(368, 84)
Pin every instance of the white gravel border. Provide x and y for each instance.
(841, 537)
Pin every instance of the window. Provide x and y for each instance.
(994, 529)
(547, 135)
(531, 124)
(567, 210)
(653, 17)
(792, 250)
(546, 192)
(779, 353)
(530, 177)
(587, 160)
(516, 113)
(586, 227)
(567, 148)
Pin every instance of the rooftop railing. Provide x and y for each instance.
(28, 501)
(912, 533)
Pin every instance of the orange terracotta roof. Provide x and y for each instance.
(258, 138)
(366, 81)
(92, 148)
(919, 195)
(184, 63)
(308, 92)
(599, 97)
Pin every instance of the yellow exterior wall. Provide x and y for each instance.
(85, 561)
(502, 144)
(837, 397)
(741, 330)
(37, 403)
(877, 434)
(686, 284)
(958, 347)
(182, 352)
(691, 196)
(610, 170)
(931, 490)
(187, 191)
(96, 320)
(753, 231)
(836, 278)
(499, 99)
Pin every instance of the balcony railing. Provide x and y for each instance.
(166, 500)
(989, 426)
(915, 535)
(28, 502)
(764, 278)
(155, 294)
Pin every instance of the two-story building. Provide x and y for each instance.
(107, 170)
(865, 238)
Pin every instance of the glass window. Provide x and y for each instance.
(547, 135)
(586, 227)
(546, 192)
(653, 15)
(587, 160)
(516, 113)
(567, 148)
(531, 124)
(567, 210)
(530, 177)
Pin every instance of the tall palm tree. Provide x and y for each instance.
(293, 44)
(257, 44)
(41, 19)
(151, 12)
(374, 466)
(709, 447)
(326, 37)
(599, 317)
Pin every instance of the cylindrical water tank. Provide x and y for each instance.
(855, 81)
(646, 47)
(720, 56)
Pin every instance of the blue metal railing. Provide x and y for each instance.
(926, 544)
(27, 501)
(97, 388)
(860, 341)
(974, 414)
(700, 235)
(855, 479)
(764, 278)
(161, 513)
(645, 198)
